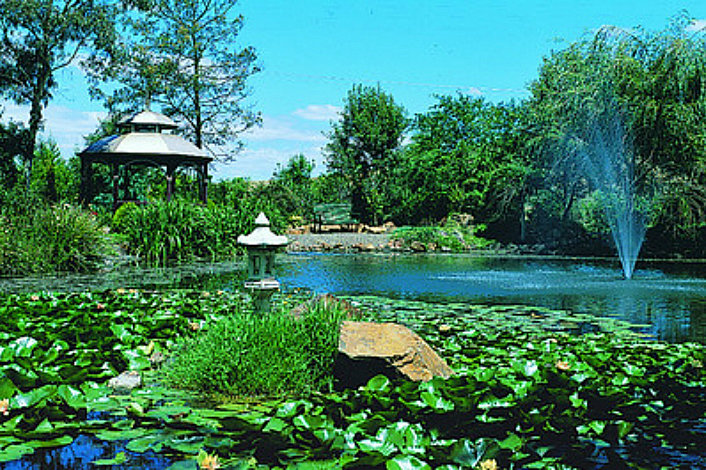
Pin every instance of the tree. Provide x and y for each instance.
(658, 81)
(363, 145)
(465, 156)
(182, 55)
(41, 37)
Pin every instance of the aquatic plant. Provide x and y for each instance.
(531, 390)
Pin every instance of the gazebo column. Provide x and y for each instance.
(170, 181)
(116, 179)
(86, 192)
(203, 183)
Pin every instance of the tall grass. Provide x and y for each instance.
(42, 239)
(162, 232)
(252, 354)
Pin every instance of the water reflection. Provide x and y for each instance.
(668, 298)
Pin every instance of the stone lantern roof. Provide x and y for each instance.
(262, 237)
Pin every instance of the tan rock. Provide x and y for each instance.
(368, 349)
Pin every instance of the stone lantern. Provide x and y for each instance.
(262, 245)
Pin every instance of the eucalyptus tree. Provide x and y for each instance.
(41, 37)
(184, 56)
(363, 145)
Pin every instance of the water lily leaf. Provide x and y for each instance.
(7, 388)
(143, 444)
(121, 435)
(31, 398)
(136, 361)
(120, 458)
(184, 465)
(23, 347)
(275, 424)
(406, 462)
(527, 368)
(512, 442)
(308, 422)
(15, 452)
(44, 427)
(56, 442)
(437, 402)
(72, 396)
(379, 383)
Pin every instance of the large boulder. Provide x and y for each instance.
(368, 349)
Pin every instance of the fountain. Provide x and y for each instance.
(608, 161)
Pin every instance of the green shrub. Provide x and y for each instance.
(51, 238)
(178, 231)
(270, 354)
(451, 236)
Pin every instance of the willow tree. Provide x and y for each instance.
(184, 56)
(41, 37)
(658, 80)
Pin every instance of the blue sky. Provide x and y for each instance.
(313, 51)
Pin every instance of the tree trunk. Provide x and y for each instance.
(39, 91)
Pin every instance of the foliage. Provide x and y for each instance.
(527, 392)
(38, 238)
(161, 233)
(13, 138)
(465, 156)
(54, 179)
(40, 38)
(277, 353)
(657, 80)
(362, 147)
(183, 55)
(291, 188)
(451, 236)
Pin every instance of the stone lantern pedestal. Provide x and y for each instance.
(262, 245)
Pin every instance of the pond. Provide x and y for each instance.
(667, 298)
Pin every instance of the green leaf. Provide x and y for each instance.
(275, 424)
(512, 442)
(406, 462)
(379, 383)
(7, 388)
(120, 458)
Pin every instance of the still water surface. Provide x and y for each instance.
(668, 298)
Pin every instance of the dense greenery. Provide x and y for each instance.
(271, 354)
(182, 55)
(527, 393)
(44, 238)
(517, 169)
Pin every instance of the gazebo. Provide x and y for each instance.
(145, 138)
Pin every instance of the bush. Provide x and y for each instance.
(247, 353)
(452, 236)
(51, 238)
(178, 231)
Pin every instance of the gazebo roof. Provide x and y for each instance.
(147, 117)
(145, 141)
(144, 144)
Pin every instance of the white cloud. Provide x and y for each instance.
(318, 112)
(259, 163)
(697, 25)
(277, 128)
(64, 125)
